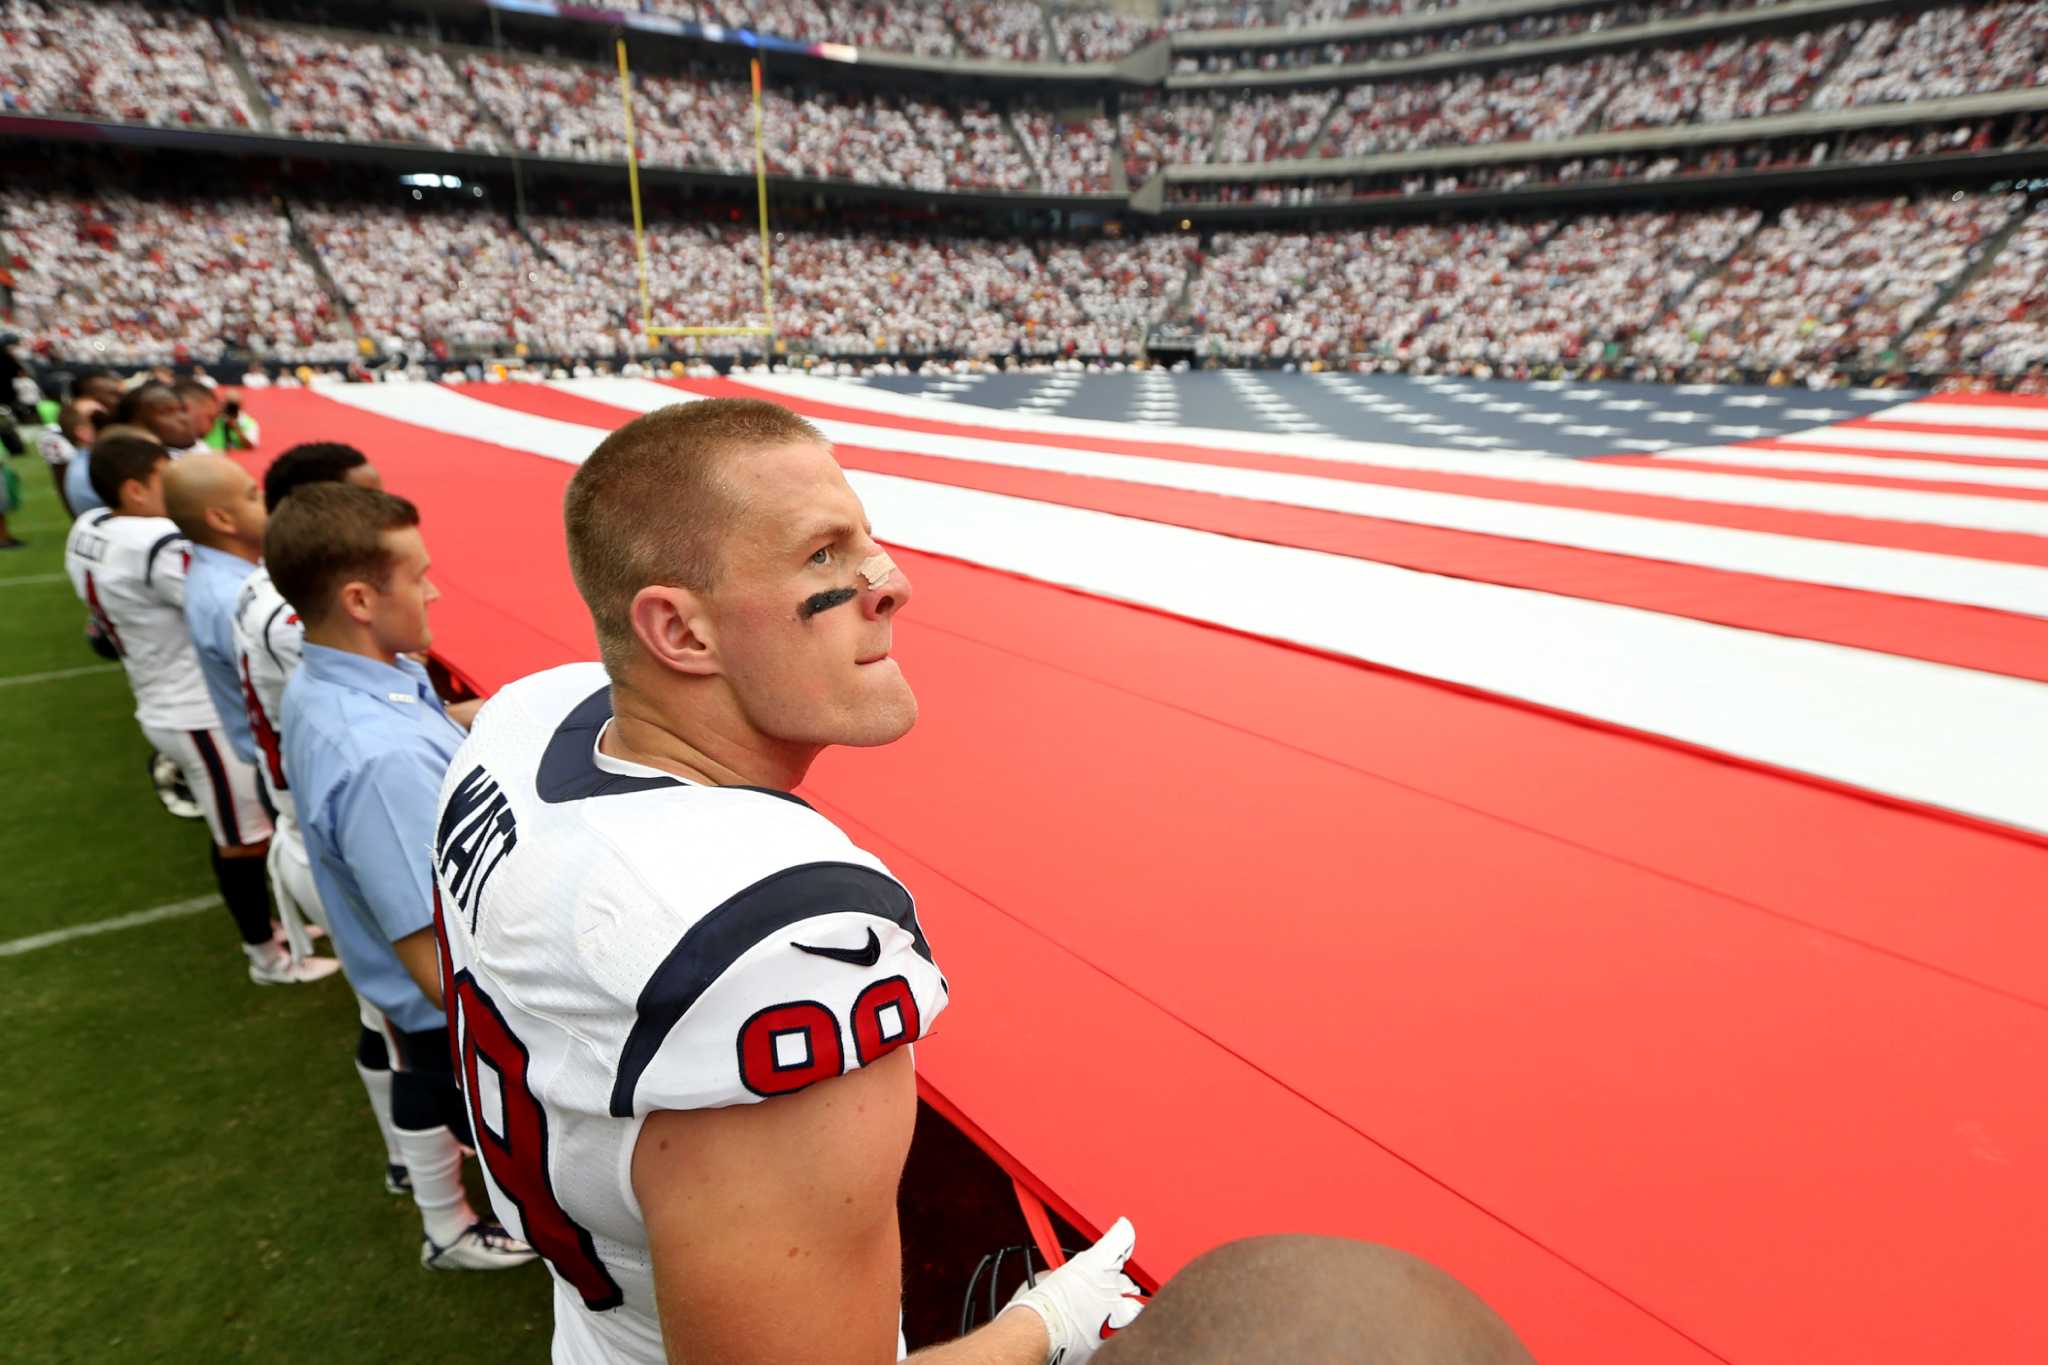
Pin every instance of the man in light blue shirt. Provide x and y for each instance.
(219, 506)
(366, 744)
(78, 489)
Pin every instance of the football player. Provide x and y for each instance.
(267, 641)
(157, 408)
(366, 742)
(127, 561)
(683, 998)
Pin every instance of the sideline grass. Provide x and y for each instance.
(192, 1172)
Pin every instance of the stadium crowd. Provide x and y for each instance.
(1817, 288)
(328, 86)
(2013, 133)
(1998, 323)
(1471, 37)
(152, 66)
(112, 278)
(1820, 293)
(115, 61)
(1828, 285)
(571, 110)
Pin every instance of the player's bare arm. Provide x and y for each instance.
(416, 953)
(773, 1228)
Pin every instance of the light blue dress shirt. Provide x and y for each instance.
(78, 485)
(367, 744)
(212, 580)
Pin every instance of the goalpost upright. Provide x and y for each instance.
(647, 327)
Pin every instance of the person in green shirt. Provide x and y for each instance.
(220, 423)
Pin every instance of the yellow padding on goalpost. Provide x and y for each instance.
(647, 326)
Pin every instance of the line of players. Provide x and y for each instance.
(685, 1011)
(170, 567)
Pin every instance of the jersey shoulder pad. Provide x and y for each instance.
(816, 970)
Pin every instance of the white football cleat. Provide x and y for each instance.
(483, 1245)
(397, 1179)
(171, 789)
(278, 968)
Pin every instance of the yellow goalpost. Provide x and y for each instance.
(647, 327)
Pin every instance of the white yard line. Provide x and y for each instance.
(14, 947)
(23, 679)
(30, 579)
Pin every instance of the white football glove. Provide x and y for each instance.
(1087, 1299)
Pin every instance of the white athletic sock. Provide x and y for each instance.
(378, 1084)
(435, 1163)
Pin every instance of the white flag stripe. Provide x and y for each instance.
(1799, 461)
(2019, 588)
(1959, 510)
(1934, 412)
(1921, 442)
(1951, 737)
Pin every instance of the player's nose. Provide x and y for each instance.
(889, 596)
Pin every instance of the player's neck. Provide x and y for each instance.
(350, 637)
(251, 554)
(714, 750)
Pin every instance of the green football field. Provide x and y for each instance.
(191, 1172)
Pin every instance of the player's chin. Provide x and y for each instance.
(886, 712)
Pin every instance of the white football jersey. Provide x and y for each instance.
(268, 642)
(130, 573)
(617, 941)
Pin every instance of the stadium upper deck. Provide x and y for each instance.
(1437, 110)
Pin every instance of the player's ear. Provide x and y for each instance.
(672, 628)
(353, 601)
(221, 520)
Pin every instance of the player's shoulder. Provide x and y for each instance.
(135, 530)
(537, 739)
(638, 858)
(88, 525)
(257, 599)
(341, 720)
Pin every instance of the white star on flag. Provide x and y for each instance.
(1737, 431)
(1679, 417)
(1752, 400)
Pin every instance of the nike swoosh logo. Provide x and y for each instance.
(865, 956)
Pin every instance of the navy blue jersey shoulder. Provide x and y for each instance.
(568, 766)
(719, 939)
